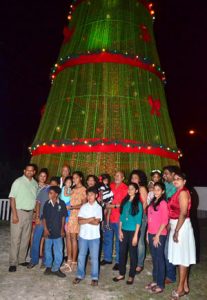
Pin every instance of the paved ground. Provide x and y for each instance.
(32, 284)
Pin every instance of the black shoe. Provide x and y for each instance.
(30, 265)
(59, 274)
(115, 267)
(12, 269)
(48, 271)
(105, 262)
(24, 264)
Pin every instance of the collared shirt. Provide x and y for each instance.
(24, 191)
(130, 222)
(89, 231)
(53, 215)
(170, 189)
(120, 193)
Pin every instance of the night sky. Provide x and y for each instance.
(30, 40)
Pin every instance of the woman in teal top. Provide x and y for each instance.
(130, 221)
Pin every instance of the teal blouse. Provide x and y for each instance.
(130, 222)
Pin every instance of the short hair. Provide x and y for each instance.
(31, 165)
(92, 189)
(56, 189)
(66, 166)
(55, 178)
(120, 171)
(181, 174)
(172, 169)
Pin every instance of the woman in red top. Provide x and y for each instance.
(181, 250)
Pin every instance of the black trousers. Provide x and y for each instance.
(124, 247)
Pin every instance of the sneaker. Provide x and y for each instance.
(48, 271)
(12, 269)
(115, 267)
(24, 264)
(59, 274)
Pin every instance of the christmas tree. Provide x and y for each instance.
(106, 109)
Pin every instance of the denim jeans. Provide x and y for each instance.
(158, 260)
(93, 247)
(35, 249)
(108, 240)
(141, 247)
(57, 245)
(170, 268)
(126, 245)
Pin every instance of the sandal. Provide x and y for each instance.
(130, 281)
(67, 266)
(77, 280)
(117, 279)
(156, 290)
(175, 295)
(73, 266)
(150, 286)
(140, 270)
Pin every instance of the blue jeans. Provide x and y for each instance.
(108, 240)
(35, 249)
(93, 247)
(158, 260)
(141, 247)
(57, 245)
(170, 268)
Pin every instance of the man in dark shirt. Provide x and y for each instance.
(54, 214)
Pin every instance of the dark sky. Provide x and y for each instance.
(29, 45)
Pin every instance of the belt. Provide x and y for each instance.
(27, 210)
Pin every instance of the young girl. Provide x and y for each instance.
(65, 196)
(130, 220)
(158, 217)
(156, 176)
(106, 196)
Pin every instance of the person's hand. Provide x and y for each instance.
(15, 219)
(134, 241)
(62, 233)
(121, 236)
(46, 233)
(175, 237)
(37, 221)
(147, 238)
(156, 241)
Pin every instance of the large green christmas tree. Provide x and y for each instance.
(107, 109)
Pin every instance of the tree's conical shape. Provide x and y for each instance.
(106, 109)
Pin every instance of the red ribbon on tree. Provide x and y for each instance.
(155, 106)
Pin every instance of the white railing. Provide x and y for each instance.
(5, 210)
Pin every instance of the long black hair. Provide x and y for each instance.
(134, 207)
(163, 196)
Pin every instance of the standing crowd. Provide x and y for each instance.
(97, 216)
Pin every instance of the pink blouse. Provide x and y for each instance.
(158, 217)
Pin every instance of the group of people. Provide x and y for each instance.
(95, 215)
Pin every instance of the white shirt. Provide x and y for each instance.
(88, 231)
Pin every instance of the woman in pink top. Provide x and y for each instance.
(157, 232)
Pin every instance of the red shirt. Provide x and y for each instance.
(174, 205)
(120, 193)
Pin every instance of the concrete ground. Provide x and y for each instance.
(32, 284)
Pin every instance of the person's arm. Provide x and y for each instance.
(15, 218)
(183, 201)
(65, 192)
(46, 231)
(37, 216)
(95, 221)
(62, 227)
(163, 221)
(143, 194)
(82, 221)
(121, 236)
(138, 224)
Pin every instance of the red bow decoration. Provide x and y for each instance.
(67, 34)
(145, 35)
(155, 106)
